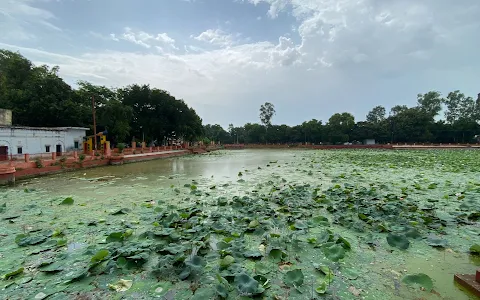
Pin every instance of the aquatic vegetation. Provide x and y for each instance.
(313, 224)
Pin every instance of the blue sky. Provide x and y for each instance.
(310, 58)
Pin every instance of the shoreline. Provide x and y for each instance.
(336, 147)
(12, 172)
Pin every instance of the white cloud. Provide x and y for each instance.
(19, 17)
(215, 37)
(145, 39)
(344, 55)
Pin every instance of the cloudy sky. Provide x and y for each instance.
(310, 58)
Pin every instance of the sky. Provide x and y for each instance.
(310, 58)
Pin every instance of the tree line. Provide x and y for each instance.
(37, 96)
(419, 124)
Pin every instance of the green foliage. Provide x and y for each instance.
(100, 256)
(121, 147)
(399, 241)
(267, 111)
(475, 249)
(278, 236)
(404, 124)
(13, 274)
(38, 163)
(247, 286)
(67, 201)
(293, 278)
(334, 252)
(418, 280)
(39, 97)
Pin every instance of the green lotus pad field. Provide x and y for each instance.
(263, 224)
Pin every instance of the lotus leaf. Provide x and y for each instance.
(226, 261)
(399, 241)
(67, 201)
(11, 217)
(324, 237)
(196, 262)
(253, 224)
(277, 254)
(344, 243)
(246, 285)
(334, 252)
(121, 286)
(53, 268)
(475, 249)
(222, 201)
(320, 220)
(115, 237)
(204, 293)
(321, 287)
(24, 240)
(174, 249)
(293, 278)
(76, 275)
(412, 233)
(121, 211)
(13, 273)
(435, 241)
(263, 281)
(419, 280)
(351, 274)
(253, 254)
(221, 290)
(100, 256)
(161, 289)
(300, 225)
(261, 268)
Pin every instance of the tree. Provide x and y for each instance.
(339, 127)
(459, 107)
(397, 109)
(430, 103)
(376, 115)
(411, 125)
(36, 95)
(267, 111)
(116, 117)
(216, 133)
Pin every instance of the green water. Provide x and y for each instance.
(97, 192)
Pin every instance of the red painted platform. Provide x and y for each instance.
(470, 282)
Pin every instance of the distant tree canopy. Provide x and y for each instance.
(37, 96)
(403, 125)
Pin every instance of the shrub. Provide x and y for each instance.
(121, 147)
(38, 163)
(63, 159)
(81, 157)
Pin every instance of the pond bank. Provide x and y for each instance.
(336, 147)
(12, 171)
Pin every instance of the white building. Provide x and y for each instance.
(33, 140)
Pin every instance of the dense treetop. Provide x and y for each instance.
(39, 97)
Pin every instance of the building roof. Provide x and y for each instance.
(43, 128)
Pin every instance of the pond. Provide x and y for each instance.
(276, 224)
